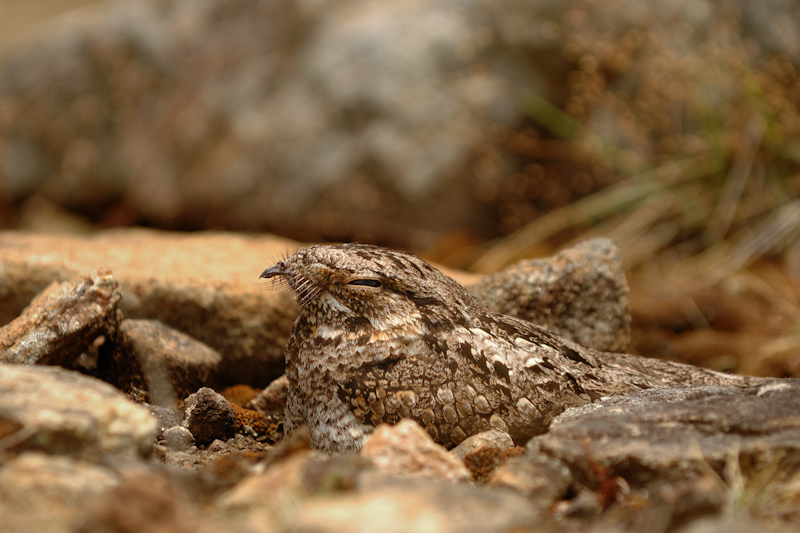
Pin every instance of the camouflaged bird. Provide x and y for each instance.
(382, 335)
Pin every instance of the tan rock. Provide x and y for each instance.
(62, 412)
(205, 285)
(62, 322)
(407, 449)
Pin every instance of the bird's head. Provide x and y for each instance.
(357, 282)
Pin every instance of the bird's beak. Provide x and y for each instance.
(277, 270)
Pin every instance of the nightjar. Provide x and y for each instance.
(382, 335)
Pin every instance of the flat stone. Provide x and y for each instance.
(61, 412)
(678, 432)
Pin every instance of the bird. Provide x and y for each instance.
(382, 335)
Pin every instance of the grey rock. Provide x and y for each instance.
(61, 412)
(165, 416)
(178, 438)
(678, 432)
(271, 400)
(292, 77)
(580, 293)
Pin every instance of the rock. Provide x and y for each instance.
(61, 412)
(166, 417)
(678, 432)
(266, 497)
(205, 285)
(209, 416)
(40, 491)
(483, 462)
(178, 438)
(493, 438)
(272, 400)
(309, 492)
(145, 500)
(580, 293)
(146, 355)
(62, 322)
(407, 449)
(296, 78)
(541, 478)
(417, 505)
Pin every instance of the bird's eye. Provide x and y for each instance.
(366, 282)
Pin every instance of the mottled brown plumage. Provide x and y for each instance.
(382, 335)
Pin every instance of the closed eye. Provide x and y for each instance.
(366, 282)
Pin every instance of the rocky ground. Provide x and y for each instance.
(141, 390)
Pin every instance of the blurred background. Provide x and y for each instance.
(472, 132)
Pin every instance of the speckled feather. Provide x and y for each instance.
(382, 335)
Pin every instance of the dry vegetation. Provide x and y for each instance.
(697, 131)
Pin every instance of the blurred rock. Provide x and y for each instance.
(146, 500)
(309, 492)
(61, 412)
(488, 439)
(482, 462)
(542, 479)
(272, 399)
(206, 285)
(206, 114)
(407, 449)
(165, 416)
(209, 416)
(580, 293)
(63, 321)
(146, 355)
(418, 505)
(46, 493)
(265, 497)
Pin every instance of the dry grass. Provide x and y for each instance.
(701, 145)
